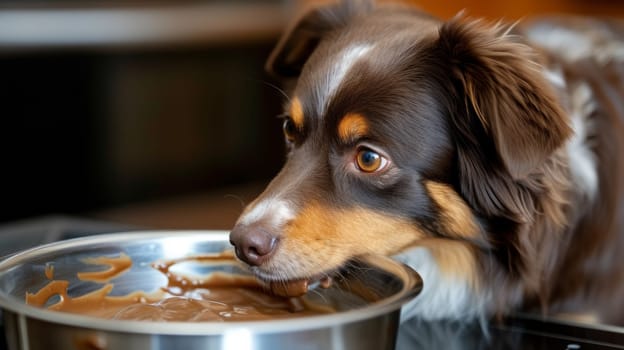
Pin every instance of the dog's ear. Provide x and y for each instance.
(302, 38)
(508, 121)
(506, 89)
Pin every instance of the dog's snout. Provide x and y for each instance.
(253, 245)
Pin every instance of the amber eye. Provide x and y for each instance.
(290, 129)
(369, 161)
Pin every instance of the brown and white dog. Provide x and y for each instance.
(488, 158)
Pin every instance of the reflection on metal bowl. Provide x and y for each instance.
(367, 295)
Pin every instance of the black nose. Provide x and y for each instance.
(253, 244)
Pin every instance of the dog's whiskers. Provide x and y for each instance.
(238, 198)
(278, 89)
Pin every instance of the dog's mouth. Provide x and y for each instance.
(294, 287)
(298, 287)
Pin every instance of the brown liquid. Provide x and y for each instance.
(117, 266)
(215, 297)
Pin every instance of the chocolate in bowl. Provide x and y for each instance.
(367, 298)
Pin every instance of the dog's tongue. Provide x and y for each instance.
(296, 288)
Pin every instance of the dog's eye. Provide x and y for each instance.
(290, 129)
(369, 161)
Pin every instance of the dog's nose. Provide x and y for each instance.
(253, 245)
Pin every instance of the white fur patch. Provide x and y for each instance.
(582, 160)
(575, 45)
(275, 211)
(555, 77)
(572, 45)
(441, 296)
(343, 63)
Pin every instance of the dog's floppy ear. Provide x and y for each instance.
(507, 91)
(508, 121)
(298, 42)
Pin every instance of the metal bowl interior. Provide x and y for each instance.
(368, 287)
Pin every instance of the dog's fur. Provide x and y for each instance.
(502, 166)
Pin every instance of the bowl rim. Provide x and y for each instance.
(411, 288)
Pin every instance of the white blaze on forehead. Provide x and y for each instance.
(340, 66)
(274, 211)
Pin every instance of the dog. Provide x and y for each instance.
(487, 157)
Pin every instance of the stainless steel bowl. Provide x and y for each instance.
(365, 320)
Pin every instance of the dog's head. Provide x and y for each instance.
(400, 128)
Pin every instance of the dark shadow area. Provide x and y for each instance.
(88, 130)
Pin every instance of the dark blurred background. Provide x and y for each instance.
(106, 104)
(155, 113)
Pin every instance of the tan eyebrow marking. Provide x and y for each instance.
(296, 112)
(352, 126)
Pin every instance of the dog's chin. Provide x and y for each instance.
(295, 286)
